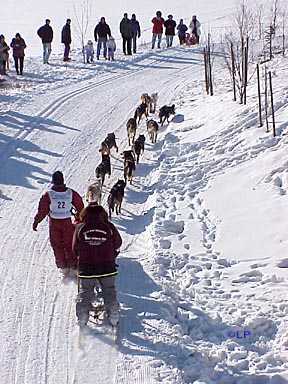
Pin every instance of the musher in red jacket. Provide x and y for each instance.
(96, 242)
(57, 203)
(157, 30)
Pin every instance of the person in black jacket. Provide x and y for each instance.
(170, 26)
(18, 45)
(46, 34)
(96, 243)
(126, 33)
(4, 55)
(101, 32)
(136, 32)
(66, 39)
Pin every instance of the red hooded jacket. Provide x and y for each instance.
(158, 25)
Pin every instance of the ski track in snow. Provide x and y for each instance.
(39, 341)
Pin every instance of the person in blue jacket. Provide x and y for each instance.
(136, 32)
(182, 29)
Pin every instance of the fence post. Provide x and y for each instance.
(272, 104)
(210, 66)
(266, 101)
(206, 71)
(259, 97)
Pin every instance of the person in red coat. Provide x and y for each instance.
(57, 203)
(157, 30)
(96, 242)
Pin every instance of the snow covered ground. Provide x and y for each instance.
(203, 268)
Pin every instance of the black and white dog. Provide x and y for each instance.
(165, 112)
(129, 165)
(115, 197)
(110, 141)
(103, 168)
(138, 147)
(141, 110)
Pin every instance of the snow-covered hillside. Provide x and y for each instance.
(203, 267)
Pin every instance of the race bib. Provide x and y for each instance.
(60, 204)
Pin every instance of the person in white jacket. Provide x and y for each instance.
(111, 46)
(195, 28)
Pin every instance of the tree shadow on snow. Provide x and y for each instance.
(21, 122)
(19, 155)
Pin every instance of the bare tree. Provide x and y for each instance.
(237, 49)
(82, 13)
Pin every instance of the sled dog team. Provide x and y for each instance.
(89, 247)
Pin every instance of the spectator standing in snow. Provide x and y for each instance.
(66, 39)
(18, 45)
(170, 26)
(157, 30)
(136, 32)
(111, 46)
(182, 29)
(89, 52)
(126, 33)
(57, 203)
(101, 32)
(4, 55)
(195, 28)
(96, 243)
(46, 34)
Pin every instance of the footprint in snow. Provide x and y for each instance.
(165, 244)
(283, 263)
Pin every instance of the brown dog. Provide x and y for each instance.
(131, 130)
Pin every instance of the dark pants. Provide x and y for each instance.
(182, 39)
(18, 60)
(66, 51)
(134, 42)
(127, 41)
(86, 296)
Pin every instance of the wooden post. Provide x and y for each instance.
(233, 72)
(206, 71)
(259, 97)
(210, 66)
(272, 104)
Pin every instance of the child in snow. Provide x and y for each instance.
(89, 51)
(111, 45)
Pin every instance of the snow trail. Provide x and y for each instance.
(38, 316)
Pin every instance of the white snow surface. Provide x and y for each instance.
(203, 268)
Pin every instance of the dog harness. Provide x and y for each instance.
(60, 204)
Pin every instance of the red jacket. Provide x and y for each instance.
(158, 25)
(44, 204)
(97, 245)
